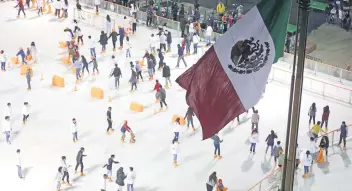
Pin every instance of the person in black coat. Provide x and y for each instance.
(117, 74)
(103, 40)
(154, 62)
(120, 178)
(85, 64)
(183, 23)
(79, 160)
(189, 115)
(113, 36)
(161, 59)
(166, 75)
(324, 144)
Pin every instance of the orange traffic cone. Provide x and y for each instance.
(320, 157)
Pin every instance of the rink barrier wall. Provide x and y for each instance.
(272, 181)
(98, 21)
(58, 81)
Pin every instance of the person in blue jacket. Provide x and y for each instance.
(122, 35)
(181, 56)
(22, 54)
(343, 134)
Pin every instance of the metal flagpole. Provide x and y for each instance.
(304, 6)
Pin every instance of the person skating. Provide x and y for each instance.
(25, 112)
(113, 37)
(29, 78)
(324, 144)
(270, 142)
(211, 181)
(79, 161)
(180, 56)
(152, 44)
(59, 176)
(255, 120)
(311, 113)
(103, 186)
(162, 39)
(78, 66)
(79, 36)
(74, 130)
(40, 4)
(22, 54)
(276, 150)
(85, 64)
(7, 128)
(125, 128)
(109, 119)
(91, 45)
(3, 60)
(166, 75)
(133, 79)
(97, 4)
(34, 52)
(313, 149)
(103, 40)
(298, 155)
(19, 163)
(217, 142)
(325, 117)
(169, 41)
(162, 98)
(57, 6)
(175, 150)
(79, 8)
(139, 71)
(65, 8)
(117, 75)
(208, 33)
(122, 35)
(8, 110)
(176, 129)
(109, 166)
(157, 89)
(20, 6)
(108, 25)
(134, 24)
(120, 179)
(196, 40)
(161, 59)
(131, 177)
(220, 186)
(128, 47)
(188, 40)
(189, 115)
(65, 171)
(307, 161)
(95, 65)
(152, 57)
(254, 139)
(343, 134)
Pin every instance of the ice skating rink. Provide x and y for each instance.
(47, 135)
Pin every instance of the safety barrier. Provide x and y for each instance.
(272, 181)
(91, 18)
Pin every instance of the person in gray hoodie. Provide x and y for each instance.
(189, 115)
(120, 178)
(133, 79)
(217, 142)
(28, 77)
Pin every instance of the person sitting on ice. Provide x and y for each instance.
(22, 54)
(125, 128)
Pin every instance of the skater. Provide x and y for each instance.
(65, 171)
(149, 15)
(157, 89)
(169, 41)
(91, 45)
(131, 177)
(150, 67)
(161, 59)
(22, 54)
(57, 6)
(65, 8)
(34, 52)
(95, 65)
(133, 79)
(85, 64)
(79, 161)
(255, 120)
(59, 176)
(162, 39)
(270, 141)
(108, 25)
(311, 113)
(254, 139)
(128, 47)
(180, 56)
(208, 33)
(79, 9)
(7, 128)
(139, 71)
(103, 41)
(281, 159)
(187, 40)
(109, 166)
(74, 130)
(177, 129)
(166, 75)
(122, 35)
(105, 177)
(120, 179)
(298, 156)
(3, 60)
(195, 40)
(134, 23)
(217, 142)
(154, 62)
(152, 44)
(79, 36)
(29, 78)
(113, 37)
(25, 112)
(78, 66)
(108, 116)
(20, 6)
(97, 4)
(162, 98)
(316, 129)
(325, 117)
(8, 110)
(125, 128)
(313, 149)
(175, 150)
(19, 164)
(276, 150)
(40, 4)
(212, 181)
(117, 75)
(189, 115)
(343, 134)
(307, 161)
(324, 144)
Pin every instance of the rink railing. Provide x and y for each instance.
(272, 181)
(325, 88)
(93, 19)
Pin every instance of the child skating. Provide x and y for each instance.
(125, 128)
(25, 112)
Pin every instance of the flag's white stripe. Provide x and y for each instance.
(249, 87)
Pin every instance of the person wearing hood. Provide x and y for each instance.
(166, 75)
(175, 150)
(7, 128)
(79, 161)
(131, 178)
(254, 139)
(103, 40)
(109, 166)
(113, 35)
(120, 178)
(122, 35)
(85, 64)
(65, 171)
(29, 78)
(25, 112)
(133, 79)
(270, 141)
(139, 71)
(74, 130)
(3, 60)
(117, 75)
(189, 115)
(95, 65)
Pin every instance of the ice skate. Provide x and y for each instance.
(157, 101)
(175, 164)
(97, 13)
(74, 140)
(82, 174)
(193, 129)
(114, 49)
(107, 133)
(68, 184)
(63, 182)
(76, 172)
(219, 157)
(122, 140)
(166, 86)
(161, 109)
(215, 155)
(110, 180)
(111, 130)
(167, 107)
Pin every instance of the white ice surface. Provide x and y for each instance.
(47, 135)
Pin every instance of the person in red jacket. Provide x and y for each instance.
(157, 89)
(125, 128)
(325, 117)
(20, 8)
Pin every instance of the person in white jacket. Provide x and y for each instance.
(175, 149)
(65, 8)
(7, 128)
(254, 139)
(3, 60)
(162, 39)
(105, 179)
(195, 40)
(59, 176)
(25, 112)
(91, 45)
(191, 29)
(40, 4)
(152, 44)
(208, 33)
(177, 129)
(19, 163)
(313, 148)
(307, 161)
(74, 130)
(57, 6)
(108, 25)
(255, 119)
(128, 47)
(34, 52)
(8, 110)
(97, 4)
(131, 177)
(65, 171)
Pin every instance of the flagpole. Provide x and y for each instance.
(304, 6)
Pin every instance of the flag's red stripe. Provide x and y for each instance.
(210, 94)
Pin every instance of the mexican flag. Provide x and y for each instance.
(231, 76)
